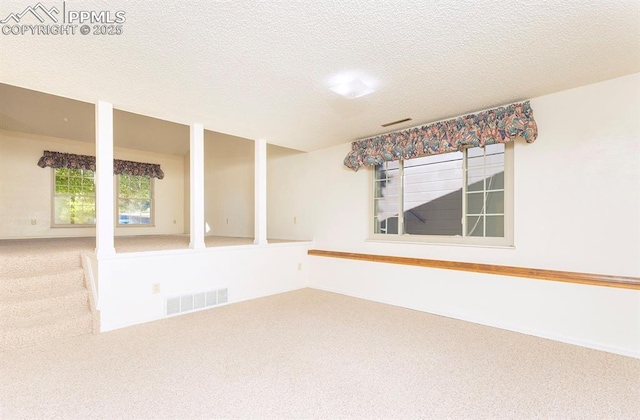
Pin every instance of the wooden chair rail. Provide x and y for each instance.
(501, 270)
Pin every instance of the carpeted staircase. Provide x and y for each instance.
(43, 297)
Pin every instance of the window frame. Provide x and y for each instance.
(54, 195)
(117, 223)
(503, 242)
(117, 205)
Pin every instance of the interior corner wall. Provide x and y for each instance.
(288, 195)
(576, 203)
(26, 189)
(228, 185)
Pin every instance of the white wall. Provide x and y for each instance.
(25, 188)
(576, 209)
(228, 183)
(126, 280)
(288, 194)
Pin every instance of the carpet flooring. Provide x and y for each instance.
(310, 354)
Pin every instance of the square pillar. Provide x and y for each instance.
(260, 189)
(103, 179)
(196, 183)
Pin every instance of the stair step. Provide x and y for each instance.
(43, 296)
(46, 283)
(36, 304)
(38, 330)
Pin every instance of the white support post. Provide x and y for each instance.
(197, 186)
(104, 180)
(260, 190)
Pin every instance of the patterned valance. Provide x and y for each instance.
(498, 125)
(71, 161)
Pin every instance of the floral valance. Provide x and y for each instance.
(71, 161)
(498, 125)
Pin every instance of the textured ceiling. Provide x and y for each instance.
(262, 69)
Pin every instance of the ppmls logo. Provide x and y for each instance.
(34, 11)
(41, 20)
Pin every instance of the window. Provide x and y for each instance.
(459, 197)
(134, 200)
(74, 197)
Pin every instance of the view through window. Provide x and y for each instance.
(74, 198)
(452, 194)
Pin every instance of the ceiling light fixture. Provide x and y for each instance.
(354, 88)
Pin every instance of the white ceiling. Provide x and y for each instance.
(262, 69)
(32, 112)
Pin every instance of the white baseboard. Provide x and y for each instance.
(504, 326)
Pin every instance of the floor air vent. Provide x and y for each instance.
(196, 301)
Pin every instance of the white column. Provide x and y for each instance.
(197, 186)
(260, 190)
(104, 180)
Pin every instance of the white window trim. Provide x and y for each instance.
(117, 206)
(53, 223)
(506, 242)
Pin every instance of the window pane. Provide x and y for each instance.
(485, 190)
(74, 200)
(88, 215)
(496, 182)
(88, 187)
(134, 201)
(62, 211)
(433, 195)
(495, 202)
(474, 152)
(433, 159)
(495, 149)
(386, 188)
(386, 207)
(475, 202)
(495, 226)
(475, 179)
(392, 225)
(62, 187)
(475, 226)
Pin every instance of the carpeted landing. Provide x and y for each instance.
(310, 354)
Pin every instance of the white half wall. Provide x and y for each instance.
(126, 281)
(576, 209)
(26, 189)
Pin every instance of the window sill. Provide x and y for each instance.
(441, 241)
(73, 226)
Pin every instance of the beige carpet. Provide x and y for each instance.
(43, 296)
(42, 289)
(313, 354)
